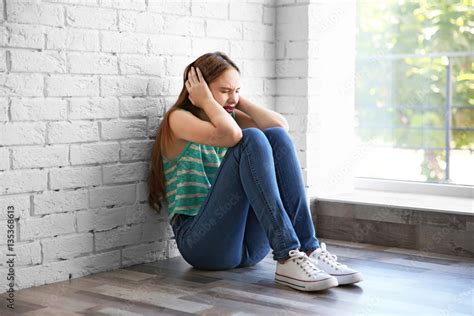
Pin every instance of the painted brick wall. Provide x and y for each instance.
(314, 67)
(83, 85)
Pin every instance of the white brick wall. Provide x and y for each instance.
(40, 108)
(311, 67)
(27, 157)
(93, 108)
(94, 153)
(60, 201)
(83, 85)
(67, 247)
(112, 195)
(3, 110)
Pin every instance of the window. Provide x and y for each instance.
(414, 94)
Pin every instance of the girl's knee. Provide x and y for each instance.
(252, 132)
(278, 134)
(254, 135)
(275, 130)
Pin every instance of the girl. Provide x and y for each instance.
(229, 174)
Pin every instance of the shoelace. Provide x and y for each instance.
(326, 256)
(304, 262)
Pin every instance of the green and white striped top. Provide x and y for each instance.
(189, 176)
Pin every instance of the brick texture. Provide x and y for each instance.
(83, 85)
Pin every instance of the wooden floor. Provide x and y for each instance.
(397, 282)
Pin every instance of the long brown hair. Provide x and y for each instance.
(212, 65)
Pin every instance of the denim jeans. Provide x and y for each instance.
(257, 201)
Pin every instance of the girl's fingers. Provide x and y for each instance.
(189, 77)
(201, 78)
(192, 76)
(196, 76)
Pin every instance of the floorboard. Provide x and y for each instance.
(397, 281)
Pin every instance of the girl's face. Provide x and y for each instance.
(226, 88)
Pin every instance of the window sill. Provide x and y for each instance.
(415, 201)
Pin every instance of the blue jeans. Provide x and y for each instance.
(257, 201)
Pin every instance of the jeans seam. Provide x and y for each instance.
(283, 194)
(279, 231)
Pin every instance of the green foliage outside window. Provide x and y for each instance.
(404, 50)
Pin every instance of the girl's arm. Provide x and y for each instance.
(263, 117)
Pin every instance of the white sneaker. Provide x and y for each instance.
(328, 262)
(300, 273)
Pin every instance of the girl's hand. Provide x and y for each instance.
(241, 103)
(199, 92)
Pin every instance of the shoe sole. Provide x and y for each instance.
(318, 285)
(348, 279)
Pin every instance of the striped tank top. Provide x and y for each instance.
(189, 176)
